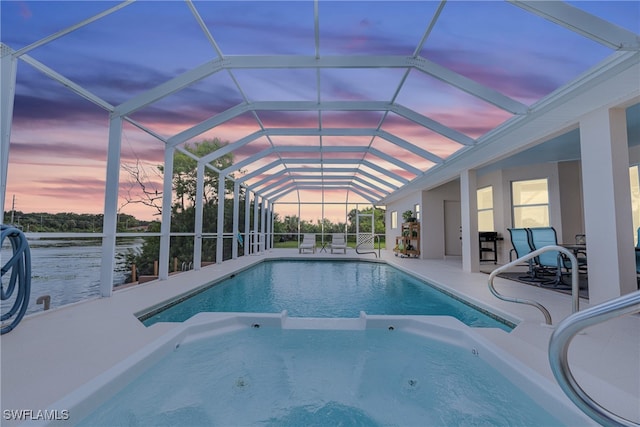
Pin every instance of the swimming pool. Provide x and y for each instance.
(273, 370)
(323, 289)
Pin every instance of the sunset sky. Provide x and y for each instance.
(58, 146)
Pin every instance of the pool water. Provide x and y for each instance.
(326, 289)
(270, 376)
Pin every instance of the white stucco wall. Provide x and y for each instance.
(400, 206)
(433, 230)
(566, 204)
(501, 182)
(571, 200)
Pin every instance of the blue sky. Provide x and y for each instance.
(58, 144)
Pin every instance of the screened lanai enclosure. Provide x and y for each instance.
(276, 116)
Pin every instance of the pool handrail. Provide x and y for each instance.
(545, 312)
(558, 354)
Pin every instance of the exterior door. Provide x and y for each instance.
(452, 228)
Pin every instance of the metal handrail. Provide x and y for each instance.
(377, 237)
(559, 345)
(545, 312)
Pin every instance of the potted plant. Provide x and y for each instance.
(408, 216)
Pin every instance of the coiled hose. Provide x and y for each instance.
(20, 281)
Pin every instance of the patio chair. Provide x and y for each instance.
(551, 262)
(521, 242)
(581, 239)
(308, 243)
(338, 242)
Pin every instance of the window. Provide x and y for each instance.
(485, 209)
(416, 211)
(530, 201)
(394, 219)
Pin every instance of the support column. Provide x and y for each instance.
(299, 220)
(346, 217)
(322, 221)
(607, 204)
(263, 212)
(267, 227)
(197, 242)
(165, 226)
(220, 239)
(270, 226)
(247, 222)
(236, 215)
(255, 248)
(110, 220)
(469, 216)
(273, 218)
(8, 67)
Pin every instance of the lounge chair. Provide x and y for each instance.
(338, 242)
(308, 243)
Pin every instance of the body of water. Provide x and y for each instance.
(68, 269)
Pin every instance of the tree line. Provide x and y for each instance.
(69, 222)
(287, 227)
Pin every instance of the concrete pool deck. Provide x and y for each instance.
(50, 354)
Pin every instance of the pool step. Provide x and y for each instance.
(323, 323)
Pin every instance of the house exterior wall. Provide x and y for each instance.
(571, 200)
(634, 155)
(433, 230)
(432, 203)
(502, 216)
(566, 204)
(501, 210)
(400, 206)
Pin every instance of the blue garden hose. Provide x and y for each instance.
(20, 266)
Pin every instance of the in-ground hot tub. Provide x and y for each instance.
(274, 370)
